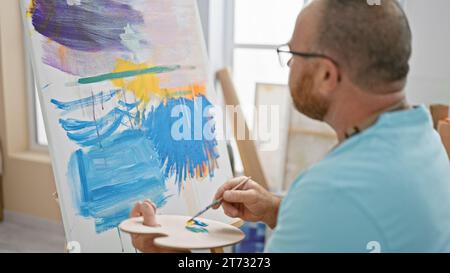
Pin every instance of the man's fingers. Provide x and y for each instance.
(150, 203)
(136, 211)
(228, 186)
(230, 210)
(148, 211)
(237, 196)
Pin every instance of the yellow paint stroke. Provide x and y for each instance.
(146, 85)
(62, 53)
(31, 9)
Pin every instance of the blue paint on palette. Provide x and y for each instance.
(197, 229)
(107, 181)
(194, 157)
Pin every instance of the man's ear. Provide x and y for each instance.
(327, 77)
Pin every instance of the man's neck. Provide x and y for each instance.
(354, 107)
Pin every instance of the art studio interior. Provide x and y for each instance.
(236, 126)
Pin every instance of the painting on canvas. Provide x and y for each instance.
(128, 110)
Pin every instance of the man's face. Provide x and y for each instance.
(304, 94)
(302, 77)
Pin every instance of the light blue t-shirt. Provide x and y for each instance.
(386, 189)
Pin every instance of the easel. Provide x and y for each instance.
(444, 131)
(441, 122)
(247, 148)
(438, 112)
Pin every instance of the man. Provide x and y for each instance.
(386, 187)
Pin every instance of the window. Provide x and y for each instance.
(259, 26)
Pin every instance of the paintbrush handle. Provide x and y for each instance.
(219, 201)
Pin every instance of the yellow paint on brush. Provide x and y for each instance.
(147, 85)
(190, 223)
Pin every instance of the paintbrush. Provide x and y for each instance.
(218, 201)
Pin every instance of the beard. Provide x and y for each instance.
(306, 102)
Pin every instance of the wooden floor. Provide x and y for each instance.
(20, 233)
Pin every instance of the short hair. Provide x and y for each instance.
(373, 42)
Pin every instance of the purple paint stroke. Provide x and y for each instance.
(80, 63)
(92, 26)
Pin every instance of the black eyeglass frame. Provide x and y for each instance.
(306, 55)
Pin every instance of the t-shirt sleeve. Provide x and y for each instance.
(316, 217)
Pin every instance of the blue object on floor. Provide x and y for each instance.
(255, 237)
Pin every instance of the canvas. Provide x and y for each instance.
(128, 111)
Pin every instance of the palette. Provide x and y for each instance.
(175, 233)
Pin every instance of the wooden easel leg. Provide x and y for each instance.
(247, 148)
(217, 250)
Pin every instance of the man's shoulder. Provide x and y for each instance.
(317, 215)
(340, 164)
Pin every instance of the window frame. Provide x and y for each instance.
(230, 43)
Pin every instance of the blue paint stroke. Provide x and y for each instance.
(46, 86)
(182, 158)
(88, 133)
(99, 98)
(129, 106)
(91, 26)
(107, 181)
(197, 229)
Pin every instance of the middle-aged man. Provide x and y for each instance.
(386, 187)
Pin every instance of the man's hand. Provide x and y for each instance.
(145, 242)
(250, 203)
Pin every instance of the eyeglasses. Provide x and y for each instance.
(285, 55)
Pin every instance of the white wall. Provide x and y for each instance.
(429, 80)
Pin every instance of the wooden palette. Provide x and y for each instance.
(175, 235)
